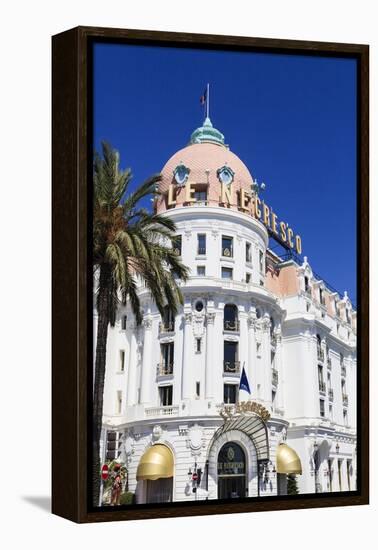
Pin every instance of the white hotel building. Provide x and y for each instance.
(172, 385)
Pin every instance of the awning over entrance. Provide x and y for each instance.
(288, 462)
(156, 463)
(253, 426)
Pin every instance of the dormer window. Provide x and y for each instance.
(306, 284)
(321, 297)
(181, 174)
(225, 175)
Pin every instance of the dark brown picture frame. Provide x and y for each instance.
(72, 318)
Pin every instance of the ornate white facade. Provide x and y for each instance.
(168, 380)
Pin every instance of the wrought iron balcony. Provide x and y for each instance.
(343, 370)
(231, 367)
(345, 400)
(273, 340)
(166, 327)
(164, 369)
(231, 326)
(330, 394)
(201, 251)
(274, 377)
(320, 354)
(322, 386)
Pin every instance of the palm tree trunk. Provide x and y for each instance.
(99, 381)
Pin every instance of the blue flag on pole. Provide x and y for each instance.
(244, 382)
(203, 97)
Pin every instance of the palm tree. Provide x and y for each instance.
(128, 241)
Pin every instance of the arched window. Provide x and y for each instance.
(230, 318)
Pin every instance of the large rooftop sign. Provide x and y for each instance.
(245, 201)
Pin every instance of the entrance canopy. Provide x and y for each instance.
(156, 463)
(254, 427)
(288, 462)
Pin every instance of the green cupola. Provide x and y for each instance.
(207, 134)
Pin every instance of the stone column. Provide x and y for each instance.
(279, 367)
(266, 380)
(252, 355)
(147, 373)
(131, 380)
(310, 376)
(243, 344)
(209, 389)
(187, 364)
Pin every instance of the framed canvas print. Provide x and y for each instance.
(210, 274)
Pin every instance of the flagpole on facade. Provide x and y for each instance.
(207, 100)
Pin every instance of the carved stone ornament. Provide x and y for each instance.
(283, 434)
(252, 321)
(128, 445)
(195, 439)
(157, 432)
(147, 323)
(198, 323)
(188, 318)
(210, 318)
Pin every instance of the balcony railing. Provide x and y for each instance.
(329, 363)
(164, 369)
(231, 326)
(201, 251)
(231, 367)
(330, 394)
(169, 410)
(343, 370)
(274, 377)
(166, 327)
(345, 400)
(273, 340)
(308, 293)
(322, 386)
(320, 354)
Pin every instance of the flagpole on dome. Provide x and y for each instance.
(208, 100)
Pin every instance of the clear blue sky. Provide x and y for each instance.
(291, 119)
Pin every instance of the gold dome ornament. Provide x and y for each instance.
(156, 463)
(287, 460)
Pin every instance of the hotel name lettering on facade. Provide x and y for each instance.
(228, 411)
(248, 203)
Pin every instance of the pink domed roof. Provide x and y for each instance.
(204, 159)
